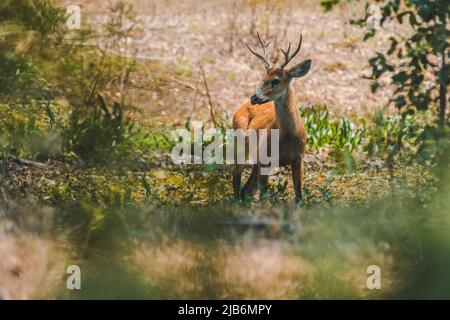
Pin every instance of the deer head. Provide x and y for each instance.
(277, 79)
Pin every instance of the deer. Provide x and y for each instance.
(274, 106)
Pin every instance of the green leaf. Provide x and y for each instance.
(369, 35)
(400, 101)
(394, 44)
(374, 86)
(328, 4)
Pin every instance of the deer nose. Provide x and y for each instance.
(254, 99)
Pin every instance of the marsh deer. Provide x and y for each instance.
(274, 106)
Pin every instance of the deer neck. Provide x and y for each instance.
(287, 114)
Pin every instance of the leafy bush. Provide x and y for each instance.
(28, 131)
(324, 131)
(98, 133)
(411, 60)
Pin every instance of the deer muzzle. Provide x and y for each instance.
(257, 99)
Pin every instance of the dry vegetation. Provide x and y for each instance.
(182, 35)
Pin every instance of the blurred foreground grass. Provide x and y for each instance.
(85, 181)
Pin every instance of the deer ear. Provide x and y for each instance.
(300, 70)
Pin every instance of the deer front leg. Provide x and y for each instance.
(252, 183)
(262, 183)
(297, 178)
(237, 174)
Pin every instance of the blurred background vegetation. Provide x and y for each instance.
(86, 176)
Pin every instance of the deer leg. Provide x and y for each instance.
(297, 178)
(252, 183)
(262, 183)
(237, 174)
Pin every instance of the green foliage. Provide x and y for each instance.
(411, 60)
(30, 32)
(328, 4)
(62, 100)
(29, 124)
(42, 16)
(26, 130)
(376, 136)
(434, 141)
(324, 131)
(407, 238)
(39, 62)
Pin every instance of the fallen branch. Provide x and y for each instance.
(28, 162)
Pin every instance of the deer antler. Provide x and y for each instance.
(287, 57)
(264, 58)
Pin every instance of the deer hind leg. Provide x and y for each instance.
(251, 186)
(297, 178)
(237, 174)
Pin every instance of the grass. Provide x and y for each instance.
(254, 251)
(345, 162)
(104, 195)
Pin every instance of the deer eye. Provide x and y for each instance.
(275, 82)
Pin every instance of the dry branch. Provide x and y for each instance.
(28, 162)
(189, 85)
